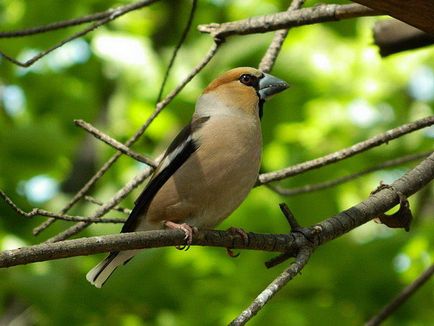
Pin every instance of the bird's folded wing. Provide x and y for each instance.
(176, 155)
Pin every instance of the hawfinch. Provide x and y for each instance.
(209, 168)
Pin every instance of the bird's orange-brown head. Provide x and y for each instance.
(243, 89)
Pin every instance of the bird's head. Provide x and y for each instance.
(243, 89)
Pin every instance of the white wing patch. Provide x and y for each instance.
(173, 154)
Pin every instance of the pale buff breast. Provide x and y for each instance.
(215, 179)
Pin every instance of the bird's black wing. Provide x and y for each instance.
(177, 153)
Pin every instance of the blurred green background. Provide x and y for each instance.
(341, 92)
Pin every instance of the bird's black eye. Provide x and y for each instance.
(249, 80)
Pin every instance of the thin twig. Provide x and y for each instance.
(292, 221)
(177, 47)
(74, 22)
(331, 183)
(70, 218)
(159, 107)
(108, 206)
(347, 152)
(113, 14)
(401, 298)
(269, 58)
(273, 22)
(95, 201)
(114, 143)
(274, 287)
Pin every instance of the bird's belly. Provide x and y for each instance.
(225, 191)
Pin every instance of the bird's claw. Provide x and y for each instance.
(187, 229)
(231, 253)
(238, 232)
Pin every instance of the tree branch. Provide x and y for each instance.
(269, 58)
(107, 17)
(393, 36)
(345, 153)
(76, 21)
(41, 212)
(140, 240)
(108, 206)
(331, 183)
(114, 143)
(273, 22)
(292, 243)
(177, 47)
(262, 299)
(401, 298)
(95, 201)
(418, 13)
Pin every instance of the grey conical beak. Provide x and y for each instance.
(270, 85)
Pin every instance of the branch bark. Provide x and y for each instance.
(107, 17)
(287, 275)
(114, 143)
(331, 183)
(345, 153)
(287, 19)
(418, 13)
(269, 58)
(70, 218)
(76, 21)
(394, 36)
(291, 244)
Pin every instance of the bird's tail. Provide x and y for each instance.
(101, 272)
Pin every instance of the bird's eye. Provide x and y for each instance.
(248, 80)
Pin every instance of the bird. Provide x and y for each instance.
(210, 166)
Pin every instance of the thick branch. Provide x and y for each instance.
(287, 19)
(330, 229)
(393, 36)
(347, 152)
(378, 203)
(140, 240)
(418, 13)
(339, 225)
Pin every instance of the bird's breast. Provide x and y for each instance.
(216, 178)
(226, 167)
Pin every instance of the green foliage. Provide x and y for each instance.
(341, 92)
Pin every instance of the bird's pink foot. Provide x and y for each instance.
(187, 229)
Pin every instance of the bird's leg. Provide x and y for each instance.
(240, 232)
(187, 229)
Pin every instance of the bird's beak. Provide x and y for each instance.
(270, 85)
